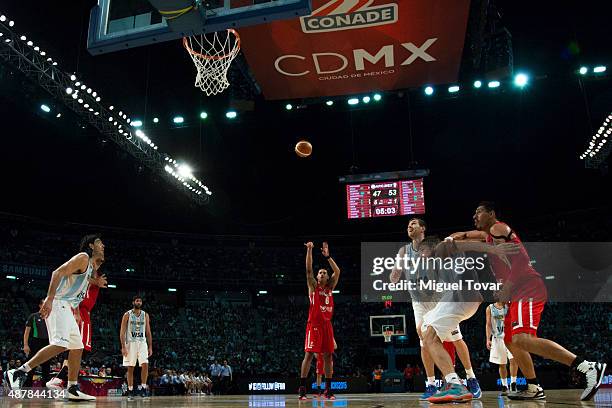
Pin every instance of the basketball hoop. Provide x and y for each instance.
(387, 335)
(212, 55)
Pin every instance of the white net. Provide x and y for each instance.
(212, 55)
(387, 335)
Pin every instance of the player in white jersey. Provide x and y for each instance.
(136, 345)
(496, 315)
(422, 303)
(66, 290)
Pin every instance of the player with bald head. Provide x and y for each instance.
(525, 291)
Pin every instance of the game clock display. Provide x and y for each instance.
(385, 199)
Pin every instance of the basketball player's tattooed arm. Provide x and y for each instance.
(76, 264)
(396, 273)
(148, 332)
(333, 281)
(122, 334)
(310, 280)
(474, 235)
(488, 327)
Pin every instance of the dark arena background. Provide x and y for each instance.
(204, 199)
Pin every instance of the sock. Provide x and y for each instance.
(144, 386)
(25, 368)
(71, 383)
(328, 384)
(504, 382)
(303, 382)
(430, 381)
(452, 378)
(533, 381)
(63, 373)
(512, 380)
(469, 373)
(131, 388)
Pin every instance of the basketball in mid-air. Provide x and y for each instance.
(303, 148)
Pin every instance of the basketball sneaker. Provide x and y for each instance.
(75, 394)
(513, 388)
(429, 391)
(56, 384)
(474, 387)
(302, 396)
(594, 373)
(504, 391)
(532, 392)
(329, 395)
(320, 395)
(451, 393)
(14, 378)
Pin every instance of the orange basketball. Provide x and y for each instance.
(303, 148)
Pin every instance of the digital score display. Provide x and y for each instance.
(385, 199)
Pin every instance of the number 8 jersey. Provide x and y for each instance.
(136, 327)
(321, 305)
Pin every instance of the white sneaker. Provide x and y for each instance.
(56, 384)
(75, 394)
(594, 373)
(533, 392)
(14, 379)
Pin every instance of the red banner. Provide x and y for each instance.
(357, 46)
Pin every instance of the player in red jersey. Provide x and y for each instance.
(96, 282)
(524, 288)
(319, 330)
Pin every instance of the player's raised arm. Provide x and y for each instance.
(122, 331)
(396, 273)
(310, 280)
(333, 281)
(77, 263)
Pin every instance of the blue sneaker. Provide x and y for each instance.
(451, 393)
(474, 387)
(429, 391)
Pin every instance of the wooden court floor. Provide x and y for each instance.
(555, 399)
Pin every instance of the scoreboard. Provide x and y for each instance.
(385, 199)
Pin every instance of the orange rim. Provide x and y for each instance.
(212, 57)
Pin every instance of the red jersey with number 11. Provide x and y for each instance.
(321, 305)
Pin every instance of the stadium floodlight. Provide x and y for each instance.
(231, 115)
(583, 70)
(477, 84)
(111, 286)
(68, 90)
(23, 38)
(335, 292)
(377, 97)
(353, 101)
(599, 69)
(203, 115)
(329, 103)
(3, 18)
(178, 120)
(45, 108)
(429, 90)
(521, 80)
(136, 123)
(59, 115)
(366, 99)
(77, 83)
(12, 277)
(97, 99)
(111, 107)
(11, 23)
(185, 171)
(493, 84)
(171, 289)
(288, 106)
(155, 120)
(453, 89)
(30, 43)
(263, 292)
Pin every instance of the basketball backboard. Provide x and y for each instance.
(116, 25)
(394, 323)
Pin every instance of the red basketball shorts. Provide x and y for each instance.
(523, 317)
(319, 338)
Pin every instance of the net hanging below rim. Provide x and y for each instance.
(212, 55)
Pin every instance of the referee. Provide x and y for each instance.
(37, 328)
